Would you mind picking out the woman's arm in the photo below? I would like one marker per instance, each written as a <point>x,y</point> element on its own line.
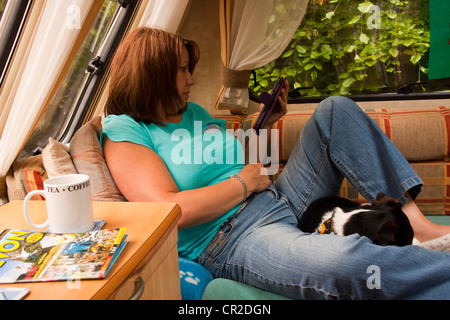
<point>141,175</point>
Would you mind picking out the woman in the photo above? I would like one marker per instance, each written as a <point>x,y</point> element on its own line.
<point>234,221</point>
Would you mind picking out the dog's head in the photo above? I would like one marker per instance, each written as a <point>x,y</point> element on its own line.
<point>385,223</point>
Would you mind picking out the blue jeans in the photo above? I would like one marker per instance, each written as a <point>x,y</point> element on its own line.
<point>261,245</point>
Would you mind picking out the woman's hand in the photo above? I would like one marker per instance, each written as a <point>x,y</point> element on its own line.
<point>255,178</point>
<point>280,108</point>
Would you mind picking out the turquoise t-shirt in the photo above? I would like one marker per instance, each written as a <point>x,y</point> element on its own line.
<point>198,152</point>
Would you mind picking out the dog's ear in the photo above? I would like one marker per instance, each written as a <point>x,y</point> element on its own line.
<point>386,233</point>
<point>384,198</point>
<point>381,197</point>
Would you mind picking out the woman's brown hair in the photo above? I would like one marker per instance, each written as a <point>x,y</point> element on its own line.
<point>143,75</point>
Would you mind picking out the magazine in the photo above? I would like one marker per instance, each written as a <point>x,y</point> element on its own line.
<point>28,256</point>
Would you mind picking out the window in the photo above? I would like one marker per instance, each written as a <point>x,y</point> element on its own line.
<point>70,104</point>
<point>367,50</point>
<point>2,7</point>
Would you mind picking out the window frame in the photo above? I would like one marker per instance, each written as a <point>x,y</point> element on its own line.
<point>294,99</point>
<point>97,69</point>
<point>13,28</point>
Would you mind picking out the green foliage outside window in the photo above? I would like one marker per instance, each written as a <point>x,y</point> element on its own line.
<point>347,47</point>
<point>2,7</point>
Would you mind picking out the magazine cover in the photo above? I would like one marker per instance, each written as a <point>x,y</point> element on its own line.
<point>27,256</point>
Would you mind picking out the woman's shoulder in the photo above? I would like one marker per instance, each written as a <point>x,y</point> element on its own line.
<point>114,120</point>
<point>124,122</point>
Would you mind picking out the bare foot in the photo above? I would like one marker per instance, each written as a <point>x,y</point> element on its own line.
<point>424,229</point>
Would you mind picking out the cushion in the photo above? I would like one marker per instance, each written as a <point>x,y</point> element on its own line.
<point>445,220</point>
<point>232,121</point>
<point>56,159</point>
<point>27,174</point>
<point>87,157</point>
<point>32,180</point>
<point>225,289</point>
<point>434,199</point>
<point>193,279</point>
<point>289,127</point>
<point>429,128</point>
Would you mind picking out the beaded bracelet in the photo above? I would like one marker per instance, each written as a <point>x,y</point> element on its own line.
<point>243,184</point>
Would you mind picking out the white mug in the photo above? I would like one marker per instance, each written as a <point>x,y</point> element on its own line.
<point>69,204</point>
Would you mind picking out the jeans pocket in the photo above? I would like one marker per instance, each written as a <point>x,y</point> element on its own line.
<point>220,239</point>
<point>225,230</point>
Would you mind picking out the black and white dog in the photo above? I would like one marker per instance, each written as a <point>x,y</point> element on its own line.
<point>383,222</point>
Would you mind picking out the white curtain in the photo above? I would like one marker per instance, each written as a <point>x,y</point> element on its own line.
<point>55,35</point>
<point>164,15</point>
<point>257,32</point>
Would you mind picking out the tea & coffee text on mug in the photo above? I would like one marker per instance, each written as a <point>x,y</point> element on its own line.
<point>76,187</point>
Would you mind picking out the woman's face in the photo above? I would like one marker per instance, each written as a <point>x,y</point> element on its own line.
<point>184,78</point>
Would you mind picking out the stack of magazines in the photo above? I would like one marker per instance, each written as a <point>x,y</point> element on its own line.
<point>28,256</point>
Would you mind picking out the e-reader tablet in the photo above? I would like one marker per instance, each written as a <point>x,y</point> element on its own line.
<point>269,100</point>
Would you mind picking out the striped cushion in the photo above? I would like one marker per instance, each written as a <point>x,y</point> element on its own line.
<point>31,180</point>
<point>418,134</point>
<point>421,135</point>
<point>289,127</point>
<point>27,174</point>
<point>232,121</point>
<point>434,199</point>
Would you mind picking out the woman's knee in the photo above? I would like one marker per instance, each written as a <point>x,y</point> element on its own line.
<point>329,110</point>
<point>334,103</point>
<point>338,111</point>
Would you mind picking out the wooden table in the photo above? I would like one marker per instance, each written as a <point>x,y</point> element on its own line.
<point>150,256</point>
